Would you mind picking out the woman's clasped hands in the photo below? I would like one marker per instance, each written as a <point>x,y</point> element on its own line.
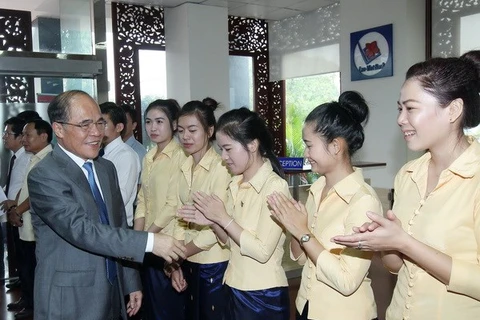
<point>206,210</point>
<point>380,234</point>
<point>290,213</point>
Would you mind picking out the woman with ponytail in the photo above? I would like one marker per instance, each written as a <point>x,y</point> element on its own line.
<point>256,283</point>
<point>201,274</point>
<point>334,281</point>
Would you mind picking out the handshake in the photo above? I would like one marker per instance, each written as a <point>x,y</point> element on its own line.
<point>168,248</point>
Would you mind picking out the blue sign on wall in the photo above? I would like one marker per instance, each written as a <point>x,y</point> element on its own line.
<point>371,53</point>
<point>291,163</point>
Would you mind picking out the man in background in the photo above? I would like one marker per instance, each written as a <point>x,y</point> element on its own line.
<point>127,133</point>
<point>17,169</point>
<point>36,138</point>
<point>123,157</point>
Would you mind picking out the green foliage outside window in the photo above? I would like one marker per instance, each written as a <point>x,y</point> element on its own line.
<point>302,96</point>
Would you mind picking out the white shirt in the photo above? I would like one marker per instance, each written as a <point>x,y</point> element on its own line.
<point>140,150</point>
<point>128,168</point>
<point>18,175</point>
<point>26,230</point>
<point>79,161</point>
<point>19,172</point>
<point>137,147</point>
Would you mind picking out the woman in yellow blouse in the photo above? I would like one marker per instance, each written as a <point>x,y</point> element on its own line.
<point>203,171</point>
<point>256,285</point>
<point>431,237</point>
<point>334,281</point>
<point>155,212</point>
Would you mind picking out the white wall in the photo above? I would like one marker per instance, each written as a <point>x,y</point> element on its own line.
<point>383,141</point>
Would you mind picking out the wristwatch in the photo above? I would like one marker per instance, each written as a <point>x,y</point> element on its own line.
<point>305,238</point>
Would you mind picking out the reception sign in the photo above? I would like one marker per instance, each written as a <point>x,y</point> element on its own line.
<point>291,163</point>
<point>371,53</point>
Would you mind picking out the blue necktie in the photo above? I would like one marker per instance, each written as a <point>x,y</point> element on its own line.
<point>102,208</point>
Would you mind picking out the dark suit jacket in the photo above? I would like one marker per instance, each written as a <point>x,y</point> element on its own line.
<point>70,278</point>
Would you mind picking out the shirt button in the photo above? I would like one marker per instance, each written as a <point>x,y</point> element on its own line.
<point>309,277</point>
<point>309,286</point>
<point>315,215</point>
<point>406,317</point>
<point>313,225</point>
<point>412,275</point>
<point>417,212</point>
<point>410,222</point>
<point>407,306</point>
<point>410,232</point>
<point>410,293</point>
<point>410,284</point>
<point>422,202</point>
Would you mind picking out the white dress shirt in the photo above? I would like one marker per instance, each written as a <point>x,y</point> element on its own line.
<point>128,168</point>
<point>19,172</point>
<point>140,150</point>
<point>79,161</point>
<point>17,176</point>
<point>137,147</point>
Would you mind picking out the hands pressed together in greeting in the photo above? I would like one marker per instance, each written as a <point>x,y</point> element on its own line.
<point>380,234</point>
<point>206,210</point>
<point>290,213</point>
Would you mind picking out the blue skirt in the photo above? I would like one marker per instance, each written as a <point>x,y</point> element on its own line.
<point>271,304</point>
<point>160,300</point>
<point>205,291</point>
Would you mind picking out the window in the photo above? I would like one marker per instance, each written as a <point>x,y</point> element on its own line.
<point>153,81</point>
<point>302,95</point>
<point>241,82</point>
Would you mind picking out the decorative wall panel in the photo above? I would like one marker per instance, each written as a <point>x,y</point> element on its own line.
<point>134,27</point>
<point>249,37</point>
<point>445,22</point>
<point>16,35</point>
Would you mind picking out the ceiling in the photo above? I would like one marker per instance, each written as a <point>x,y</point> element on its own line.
<point>262,9</point>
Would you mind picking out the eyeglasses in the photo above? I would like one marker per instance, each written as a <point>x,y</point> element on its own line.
<point>87,125</point>
<point>8,133</point>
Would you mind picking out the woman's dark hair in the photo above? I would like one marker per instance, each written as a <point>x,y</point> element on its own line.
<point>448,79</point>
<point>211,102</point>
<point>245,126</point>
<point>204,113</point>
<point>341,119</point>
<point>473,56</point>
<point>169,107</point>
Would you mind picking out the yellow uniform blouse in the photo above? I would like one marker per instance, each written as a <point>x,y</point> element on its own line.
<point>257,263</point>
<point>338,287</point>
<point>153,202</point>
<point>212,177</point>
<point>448,219</point>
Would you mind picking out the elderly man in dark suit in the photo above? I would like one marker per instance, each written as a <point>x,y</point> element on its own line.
<point>79,223</point>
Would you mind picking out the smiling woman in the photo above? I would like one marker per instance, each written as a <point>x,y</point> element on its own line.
<point>430,237</point>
